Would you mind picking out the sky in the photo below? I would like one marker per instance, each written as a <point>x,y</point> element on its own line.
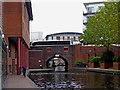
<point>54,16</point>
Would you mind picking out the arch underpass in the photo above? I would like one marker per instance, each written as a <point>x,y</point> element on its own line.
<point>58,63</point>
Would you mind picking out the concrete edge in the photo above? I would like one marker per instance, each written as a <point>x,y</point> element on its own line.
<point>98,70</point>
<point>31,80</point>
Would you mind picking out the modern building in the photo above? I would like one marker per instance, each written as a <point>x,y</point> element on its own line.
<point>3,51</point>
<point>73,37</point>
<point>91,9</point>
<point>17,34</point>
<point>36,36</point>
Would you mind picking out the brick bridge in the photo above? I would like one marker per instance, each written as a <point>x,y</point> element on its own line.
<point>42,52</point>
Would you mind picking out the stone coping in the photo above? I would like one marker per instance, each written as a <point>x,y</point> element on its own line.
<point>99,70</point>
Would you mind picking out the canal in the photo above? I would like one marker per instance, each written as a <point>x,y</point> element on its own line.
<point>74,79</point>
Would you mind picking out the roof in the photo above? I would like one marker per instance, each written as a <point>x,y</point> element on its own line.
<point>88,3</point>
<point>64,33</point>
<point>29,9</point>
<point>51,43</point>
<point>92,3</point>
<point>88,13</point>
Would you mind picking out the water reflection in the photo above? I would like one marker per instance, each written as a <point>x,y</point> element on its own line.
<point>60,68</point>
<point>75,80</point>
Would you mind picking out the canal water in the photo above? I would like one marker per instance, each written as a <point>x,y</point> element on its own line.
<point>75,79</point>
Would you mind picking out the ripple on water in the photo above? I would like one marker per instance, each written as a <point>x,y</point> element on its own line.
<point>74,80</point>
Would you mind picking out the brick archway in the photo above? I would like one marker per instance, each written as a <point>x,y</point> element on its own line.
<point>66,62</point>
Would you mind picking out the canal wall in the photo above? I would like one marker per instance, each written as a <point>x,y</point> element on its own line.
<point>98,70</point>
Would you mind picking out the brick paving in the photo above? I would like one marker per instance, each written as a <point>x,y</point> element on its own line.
<point>18,81</point>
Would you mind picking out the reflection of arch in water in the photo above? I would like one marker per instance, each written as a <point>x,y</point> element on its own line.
<point>66,62</point>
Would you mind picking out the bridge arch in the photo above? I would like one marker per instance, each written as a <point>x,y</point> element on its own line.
<point>61,57</point>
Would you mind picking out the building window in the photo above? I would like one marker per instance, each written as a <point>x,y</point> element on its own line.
<point>9,48</point>
<point>74,38</point>
<point>49,49</point>
<point>58,37</point>
<point>50,38</point>
<point>90,9</point>
<point>79,38</point>
<point>9,68</point>
<point>46,38</point>
<point>65,38</point>
<point>65,49</point>
<point>88,17</point>
<point>54,37</point>
<point>68,38</point>
<point>71,38</point>
<point>61,37</point>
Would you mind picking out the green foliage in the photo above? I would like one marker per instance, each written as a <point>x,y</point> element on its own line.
<point>95,59</point>
<point>80,62</point>
<point>107,56</point>
<point>103,28</point>
<point>116,59</point>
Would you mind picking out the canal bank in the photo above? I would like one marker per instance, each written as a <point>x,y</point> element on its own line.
<point>40,70</point>
<point>18,81</point>
<point>99,70</point>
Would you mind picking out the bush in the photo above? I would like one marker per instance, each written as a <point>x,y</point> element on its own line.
<point>95,59</point>
<point>116,59</point>
<point>80,63</point>
<point>107,56</point>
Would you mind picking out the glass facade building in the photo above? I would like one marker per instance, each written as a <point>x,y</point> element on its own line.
<point>3,61</point>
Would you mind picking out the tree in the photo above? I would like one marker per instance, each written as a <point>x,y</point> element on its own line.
<point>103,28</point>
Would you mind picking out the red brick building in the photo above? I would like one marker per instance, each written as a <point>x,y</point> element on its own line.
<point>42,52</point>
<point>85,52</point>
<point>16,20</point>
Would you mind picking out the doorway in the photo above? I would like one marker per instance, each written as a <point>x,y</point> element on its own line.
<point>13,65</point>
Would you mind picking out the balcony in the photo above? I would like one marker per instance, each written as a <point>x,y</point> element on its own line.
<point>88,13</point>
<point>85,21</point>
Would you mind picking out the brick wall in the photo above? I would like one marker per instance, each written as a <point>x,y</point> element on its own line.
<point>85,52</point>
<point>74,53</point>
<point>13,14</point>
<point>25,25</point>
<point>35,55</point>
<point>41,53</point>
<point>16,20</point>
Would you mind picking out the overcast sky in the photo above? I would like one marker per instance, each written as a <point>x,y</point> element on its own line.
<point>53,16</point>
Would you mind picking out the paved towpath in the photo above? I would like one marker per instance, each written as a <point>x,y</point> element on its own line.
<point>18,81</point>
